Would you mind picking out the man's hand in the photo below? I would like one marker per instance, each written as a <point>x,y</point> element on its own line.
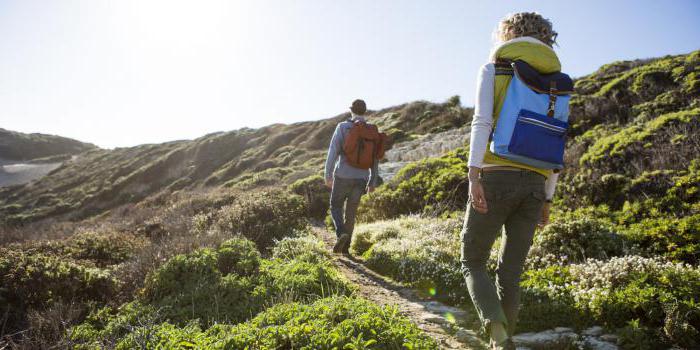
<point>544,219</point>
<point>329,183</point>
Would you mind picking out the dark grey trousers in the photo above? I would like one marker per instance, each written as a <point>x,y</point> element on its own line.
<point>514,200</point>
<point>346,193</point>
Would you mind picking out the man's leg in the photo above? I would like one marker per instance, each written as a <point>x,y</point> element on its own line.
<point>354,196</point>
<point>339,194</point>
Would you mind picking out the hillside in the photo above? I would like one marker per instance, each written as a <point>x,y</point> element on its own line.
<point>277,154</point>
<point>17,146</point>
<point>623,247</point>
<point>218,243</point>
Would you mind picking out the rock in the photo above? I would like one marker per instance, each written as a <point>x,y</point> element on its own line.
<point>597,344</point>
<point>609,338</point>
<point>563,330</point>
<point>425,146</point>
<point>435,319</point>
<point>546,339</point>
<point>465,336</point>
<point>593,331</point>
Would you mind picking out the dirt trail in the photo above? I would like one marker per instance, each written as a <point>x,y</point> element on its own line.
<point>440,321</point>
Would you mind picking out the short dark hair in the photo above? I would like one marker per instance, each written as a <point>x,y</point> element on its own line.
<point>358,107</point>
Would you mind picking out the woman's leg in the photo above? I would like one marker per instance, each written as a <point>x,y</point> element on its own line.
<point>478,234</point>
<point>517,239</point>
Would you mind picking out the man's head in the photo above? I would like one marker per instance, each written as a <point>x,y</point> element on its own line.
<point>358,107</point>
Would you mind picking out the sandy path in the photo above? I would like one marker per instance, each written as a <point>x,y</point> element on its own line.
<point>440,321</point>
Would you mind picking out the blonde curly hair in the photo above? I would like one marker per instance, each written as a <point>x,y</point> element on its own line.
<point>526,24</point>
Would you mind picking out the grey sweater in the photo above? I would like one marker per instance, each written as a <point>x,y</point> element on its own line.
<point>336,162</point>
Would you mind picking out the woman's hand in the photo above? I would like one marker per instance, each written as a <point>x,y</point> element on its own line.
<point>544,219</point>
<point>476,191</point>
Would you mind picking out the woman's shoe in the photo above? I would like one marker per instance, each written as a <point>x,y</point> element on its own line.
<point>342,243</point>
<point>504,345</point>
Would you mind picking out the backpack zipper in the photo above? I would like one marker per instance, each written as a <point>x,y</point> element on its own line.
<point>542,124</point>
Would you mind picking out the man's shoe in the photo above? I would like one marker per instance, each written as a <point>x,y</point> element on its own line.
<point>343,241</point>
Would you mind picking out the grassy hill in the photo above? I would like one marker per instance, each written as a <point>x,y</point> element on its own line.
<point>170,227</point>
<point>623,248</point>
<point>17,146</point>
<point>277,154</point>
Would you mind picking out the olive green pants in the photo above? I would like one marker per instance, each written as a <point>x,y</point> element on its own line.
<point>514,200</point>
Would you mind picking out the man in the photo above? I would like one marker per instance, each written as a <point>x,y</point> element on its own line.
<point>348,180</point>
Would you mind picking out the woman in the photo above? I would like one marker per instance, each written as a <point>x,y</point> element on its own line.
<point>504,193</point>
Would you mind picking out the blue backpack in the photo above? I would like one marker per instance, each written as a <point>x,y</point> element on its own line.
<point>531,127</point>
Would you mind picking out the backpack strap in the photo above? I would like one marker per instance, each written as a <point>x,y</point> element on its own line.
<point>503,66</point>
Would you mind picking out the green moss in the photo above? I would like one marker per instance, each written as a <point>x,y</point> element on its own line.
<point>615,145</point>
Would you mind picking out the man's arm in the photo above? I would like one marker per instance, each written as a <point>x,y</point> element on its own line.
<point>333,154</point>
<point>373,175</point>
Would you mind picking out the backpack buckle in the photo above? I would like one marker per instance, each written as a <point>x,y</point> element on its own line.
<point>552,98</point>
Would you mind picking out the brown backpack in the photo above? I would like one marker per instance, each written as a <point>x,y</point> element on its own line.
<point>363,144</point>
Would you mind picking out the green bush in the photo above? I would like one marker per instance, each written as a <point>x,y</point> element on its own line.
<point>263,216</point>
<point>317,196</point>
<point>577,240</point>
<point>36,280</point>
<point>232,283</point>
<point>104,249</point>
<point>192,287</point>
<point>104,327</point>
<point>433,185</point>
<point>662,296</point>
<point>101,249</point>
<point>421,252</point>
<point>302,248</point>
<point>330,323</point>
<point>239,256</point>
<point>301,280</point>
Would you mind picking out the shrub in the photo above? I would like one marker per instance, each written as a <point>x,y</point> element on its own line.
<point>35,281</point>
<point>233,283</point>
<point>317,196</point>
<point>104,249</point>
<point>192,286</point>
<point>263,216</point>
<point>303,248</point>
<point>238,256</point>
<point>104,327</point>
<point>577,240</point>
<point>421,252</point>
<point>301,280</point>
<point>338,323</point>
<point>433,185</point>
<point>661,295</point>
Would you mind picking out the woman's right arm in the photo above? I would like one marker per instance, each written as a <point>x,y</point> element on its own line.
<point>481,127</point>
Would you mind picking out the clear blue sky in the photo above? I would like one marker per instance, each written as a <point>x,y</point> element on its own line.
<point>122,73</point>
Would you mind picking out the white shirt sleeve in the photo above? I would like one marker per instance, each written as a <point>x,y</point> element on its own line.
<point>482,122</point>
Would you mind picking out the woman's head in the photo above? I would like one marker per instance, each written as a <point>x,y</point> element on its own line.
<point>526,24</point>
